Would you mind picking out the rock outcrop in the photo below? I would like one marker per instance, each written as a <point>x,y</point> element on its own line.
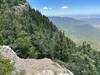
<point>33,66</point>
<point>19,9</point>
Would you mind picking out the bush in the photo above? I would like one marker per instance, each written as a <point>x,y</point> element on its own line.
<point>5,66</point>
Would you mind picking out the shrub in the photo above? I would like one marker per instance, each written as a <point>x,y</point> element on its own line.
<point>5,66</point>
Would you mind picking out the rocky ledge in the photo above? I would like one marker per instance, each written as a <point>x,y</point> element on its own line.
<point>33,66</point>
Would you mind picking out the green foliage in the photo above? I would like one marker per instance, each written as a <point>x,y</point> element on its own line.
<point>5,66</point>
<point>32,35</point>
<point>84,61</point>
<point>81,64</point>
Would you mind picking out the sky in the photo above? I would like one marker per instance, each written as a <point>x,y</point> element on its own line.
<point>66,7</point>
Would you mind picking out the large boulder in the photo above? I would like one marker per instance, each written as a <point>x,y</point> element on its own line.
<point>19,9</point>
<point>33,66</point>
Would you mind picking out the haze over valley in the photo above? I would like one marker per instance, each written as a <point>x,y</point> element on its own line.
<point>80,28</point>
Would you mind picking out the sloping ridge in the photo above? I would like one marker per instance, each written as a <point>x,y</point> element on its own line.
<point>33,66</point>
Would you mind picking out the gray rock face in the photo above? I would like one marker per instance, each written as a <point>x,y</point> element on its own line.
<point>7,52</point>
<point>19,9</point>
<point>33,66</point>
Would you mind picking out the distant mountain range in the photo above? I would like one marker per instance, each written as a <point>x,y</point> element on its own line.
<point>92,19</point>
<point>80,28</point>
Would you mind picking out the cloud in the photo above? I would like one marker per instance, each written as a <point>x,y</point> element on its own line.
<point>46,8</point>
<point>64,7</point>
<point>35,8</point>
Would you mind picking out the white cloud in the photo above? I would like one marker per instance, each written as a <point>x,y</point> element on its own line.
<point>35,8</point>
<point>46,8</point>
<point>64,7</point>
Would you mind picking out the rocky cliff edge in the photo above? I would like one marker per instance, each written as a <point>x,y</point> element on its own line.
<point>33,66</point>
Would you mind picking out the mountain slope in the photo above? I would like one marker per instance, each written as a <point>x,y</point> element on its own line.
<point>32,35</point>
<point>78,30</point>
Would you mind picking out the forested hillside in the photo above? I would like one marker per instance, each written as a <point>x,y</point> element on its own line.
<point>79,29</point>
<point>32,35</point>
